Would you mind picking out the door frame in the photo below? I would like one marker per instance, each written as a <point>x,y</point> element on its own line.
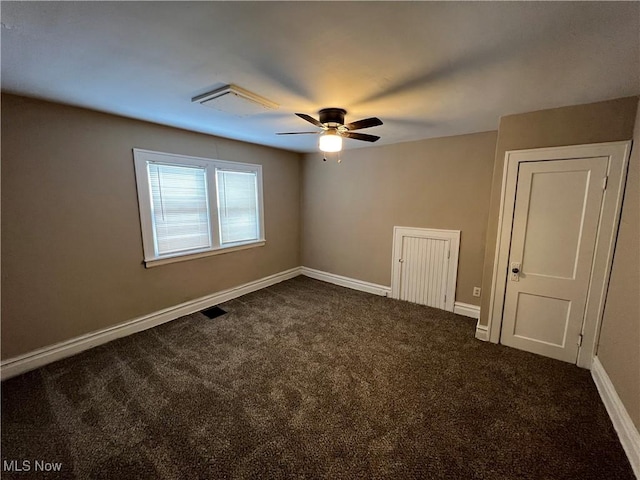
<point>618,155</point>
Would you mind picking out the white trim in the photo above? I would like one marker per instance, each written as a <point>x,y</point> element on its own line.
<point>627,431</point>
<point>208,253</point>
<point>352,283</point>
<point>482,332</point>
<point>618,153</point>
<point>493,331</point>
<point>467,310</point>
<point>43,356</point>
<point>452,236</point>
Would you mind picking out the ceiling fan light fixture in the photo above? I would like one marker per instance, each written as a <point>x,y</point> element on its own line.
<point>330,142</point>
<point>333,128</point>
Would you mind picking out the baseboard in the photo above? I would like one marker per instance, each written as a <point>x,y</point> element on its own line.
<point>460,308</point>
<point>466,309</point>
<point>627,431</point>
<point>482,332</point>
<point>346,282</point>
<point>43,356</point>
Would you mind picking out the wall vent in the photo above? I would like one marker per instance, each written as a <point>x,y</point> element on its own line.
<point>235,100</point>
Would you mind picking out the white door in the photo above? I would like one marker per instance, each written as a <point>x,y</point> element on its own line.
<point>423,277</point>
<point>425,265</point>
<point>555,227</point>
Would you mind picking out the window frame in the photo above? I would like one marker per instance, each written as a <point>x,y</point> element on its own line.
<point>142,158</point>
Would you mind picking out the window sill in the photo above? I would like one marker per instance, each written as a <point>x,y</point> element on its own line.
<point>156,262</point>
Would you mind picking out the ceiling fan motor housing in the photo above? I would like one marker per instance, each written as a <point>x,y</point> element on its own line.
<point>332,117</point>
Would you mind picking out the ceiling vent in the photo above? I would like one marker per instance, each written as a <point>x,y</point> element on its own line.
<point>235,100</point>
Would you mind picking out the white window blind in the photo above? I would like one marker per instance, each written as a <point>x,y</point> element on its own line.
<point>237,206</point>
<point>179,207</point>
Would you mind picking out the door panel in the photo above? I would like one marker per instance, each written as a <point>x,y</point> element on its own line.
<point>551,246</point>
<point>425,263</point>
<point>543,318</point>
<point>555,224</point>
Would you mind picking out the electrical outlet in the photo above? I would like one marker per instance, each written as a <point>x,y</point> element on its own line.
<point>476,291</point>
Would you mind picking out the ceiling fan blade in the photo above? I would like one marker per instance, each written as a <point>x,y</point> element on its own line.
<point>366,123</point>
<point>310,119</point>
<point>360,136</point>
<point>298,133</point>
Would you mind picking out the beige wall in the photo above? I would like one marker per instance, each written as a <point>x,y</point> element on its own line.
<point>619,348</point>
<point>581,124</point>
<point>349,209</point>
<point>71,240</point>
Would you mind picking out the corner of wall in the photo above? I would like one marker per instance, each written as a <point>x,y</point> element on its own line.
<point>301,168</point>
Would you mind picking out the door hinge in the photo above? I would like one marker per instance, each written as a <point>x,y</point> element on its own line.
<point>604,183</point>
<point>449,254</point>
<point>580,340</point>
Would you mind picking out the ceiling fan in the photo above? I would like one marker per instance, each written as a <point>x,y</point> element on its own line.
<point>331,121</point>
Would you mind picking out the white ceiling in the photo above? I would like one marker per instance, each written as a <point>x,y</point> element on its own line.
<point>427,69</point>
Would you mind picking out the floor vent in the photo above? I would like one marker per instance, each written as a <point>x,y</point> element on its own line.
<point>213,312</point>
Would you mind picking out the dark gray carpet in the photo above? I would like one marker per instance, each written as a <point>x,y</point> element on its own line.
<point>310,380</point>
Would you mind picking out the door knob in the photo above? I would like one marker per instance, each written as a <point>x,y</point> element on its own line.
<point>515,270</point>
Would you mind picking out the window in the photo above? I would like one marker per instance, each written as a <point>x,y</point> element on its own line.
<point>192,207</point>
<point>237,206</point>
